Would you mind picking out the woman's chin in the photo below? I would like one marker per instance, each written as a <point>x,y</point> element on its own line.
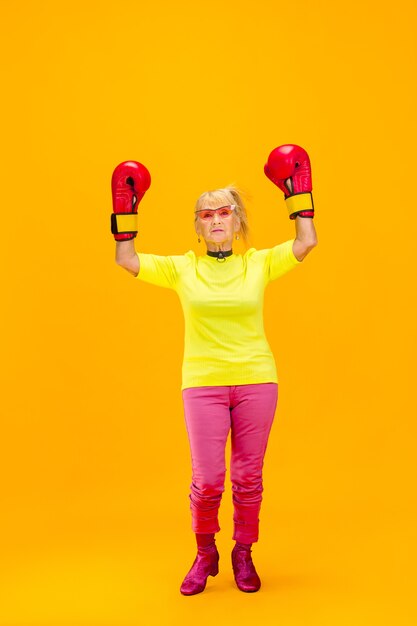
<point>217,238</point>
<point>218,241</point>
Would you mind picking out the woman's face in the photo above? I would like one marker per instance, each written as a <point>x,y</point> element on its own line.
<point>218,231</point>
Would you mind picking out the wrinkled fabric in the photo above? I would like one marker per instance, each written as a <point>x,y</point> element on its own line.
<point>247,411</point>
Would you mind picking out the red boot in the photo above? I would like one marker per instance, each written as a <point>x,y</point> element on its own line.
<point>244,570</point>
<point>205,564</point>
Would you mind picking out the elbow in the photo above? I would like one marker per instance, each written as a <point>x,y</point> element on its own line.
<point>308,246</point>
<point>301,251</point>
<point>307,243</point>
<point>120,263</point>
<point>311,243</point>
<point>130,265</point>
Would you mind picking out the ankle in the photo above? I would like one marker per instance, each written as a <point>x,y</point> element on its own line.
<point>242,546</point>
<point>205,540</point>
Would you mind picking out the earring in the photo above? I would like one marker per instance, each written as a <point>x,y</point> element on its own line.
<point>237,237</point>
<point>199,240</point>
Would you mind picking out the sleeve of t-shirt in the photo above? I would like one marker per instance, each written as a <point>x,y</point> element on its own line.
<point>158,270</point>
<point>278,260</point>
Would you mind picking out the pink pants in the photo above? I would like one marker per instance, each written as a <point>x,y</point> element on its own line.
<point>210,412</point>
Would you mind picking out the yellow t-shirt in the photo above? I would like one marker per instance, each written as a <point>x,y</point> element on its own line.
<point>222,302</point>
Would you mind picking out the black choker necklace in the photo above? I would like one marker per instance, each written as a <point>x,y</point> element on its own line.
<point>221,254</point>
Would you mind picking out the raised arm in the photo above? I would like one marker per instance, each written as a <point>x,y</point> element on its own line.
<point>288,167</point>
<point>130,181</point>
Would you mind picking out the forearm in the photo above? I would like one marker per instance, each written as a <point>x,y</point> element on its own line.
<point>305,230</point>
<point>306,237</point>
<point>126,256</point>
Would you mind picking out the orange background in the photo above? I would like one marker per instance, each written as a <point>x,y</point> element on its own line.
<point>95,524</point>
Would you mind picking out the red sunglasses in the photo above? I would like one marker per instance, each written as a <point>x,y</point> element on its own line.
<point>223,211</point>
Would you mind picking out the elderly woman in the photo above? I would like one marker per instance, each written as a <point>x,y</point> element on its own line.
<point>229,377</point>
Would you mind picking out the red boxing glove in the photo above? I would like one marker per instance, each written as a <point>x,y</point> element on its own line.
<point>289,168</point>
<point>129,183</point>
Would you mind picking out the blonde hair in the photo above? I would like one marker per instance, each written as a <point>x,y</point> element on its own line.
<point>229,195</point>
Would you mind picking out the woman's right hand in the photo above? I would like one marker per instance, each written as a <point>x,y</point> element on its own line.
<point>130,181</point>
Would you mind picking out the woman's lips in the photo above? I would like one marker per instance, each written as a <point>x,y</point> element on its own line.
<point>217,230</point>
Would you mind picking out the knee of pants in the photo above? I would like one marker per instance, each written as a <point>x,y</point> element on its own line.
<point>212,489</point>
<point>248,489</point>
